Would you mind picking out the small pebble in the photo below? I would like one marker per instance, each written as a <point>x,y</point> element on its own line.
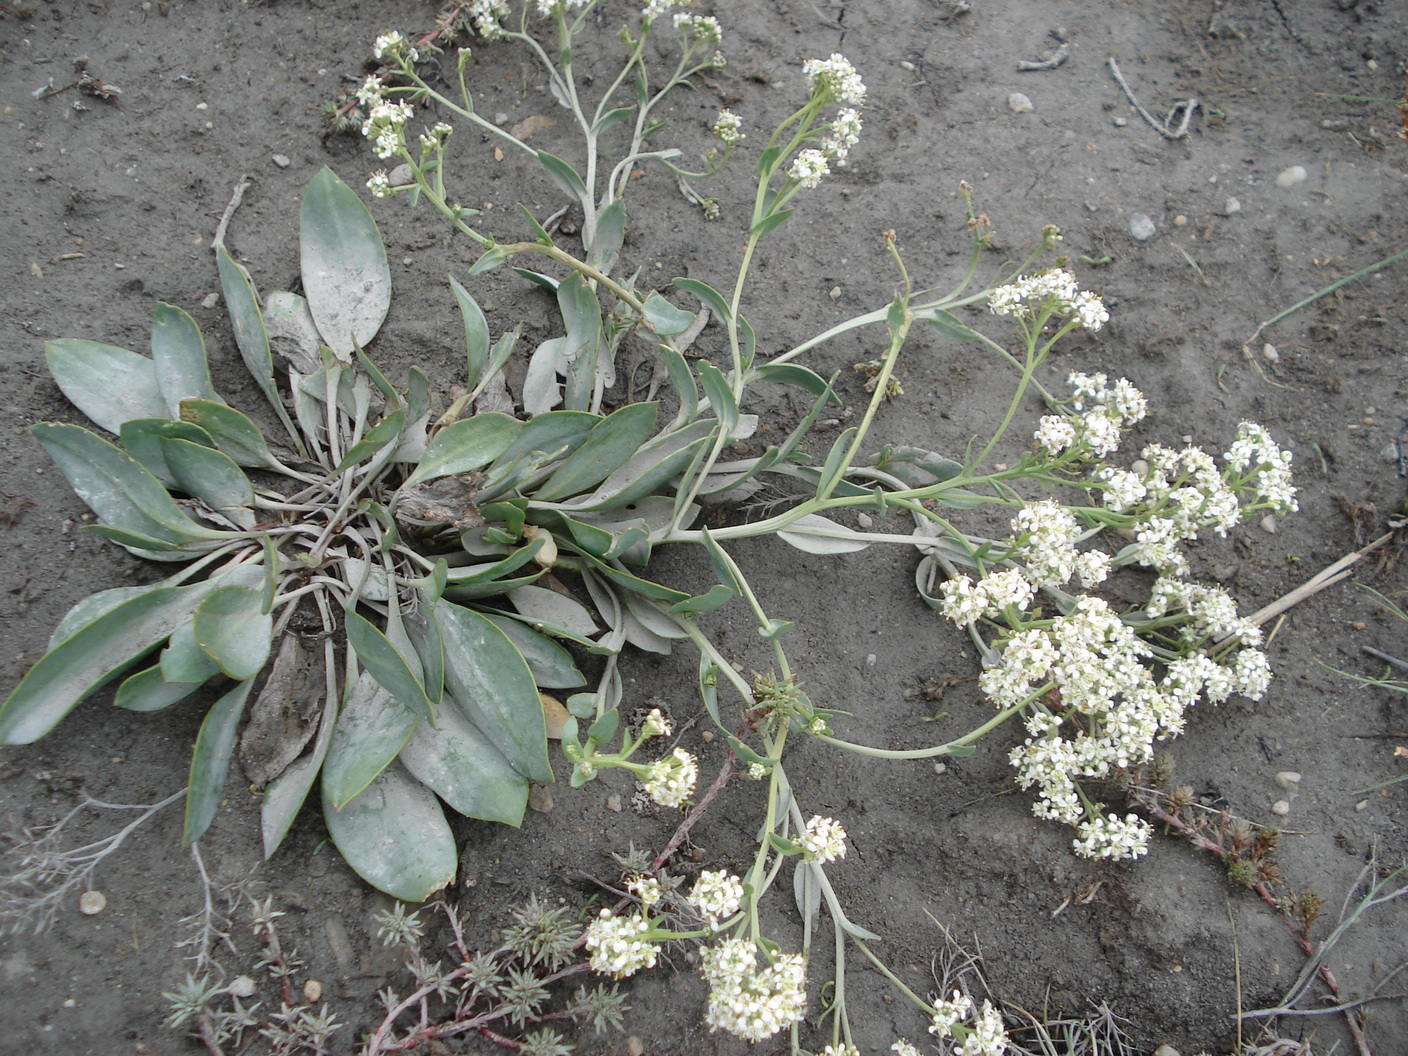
<point>1292,176</point>
<point>1092,207</point>
<point>401,175</point>
<point>313,991</point>
<point>1120,122</point>
<point>281,160</point>
<point>241,986</point>
<point>92,902</point>
<point>540,799</point>
<point>1166,1050</point>
<point>1269,524</point>
<point>211,300</point>
<point>1362,805</point>
<point>1269,353</point>
<point>1288,779</point>
<point>1141,227</point>
<point>1334,124</point>
<point>707,736</point>
<point>1281,808</point>
<point>864,520</point>
<point>501,118</point>
<point>941,768</point>
<point>202,106</point>
<point>613,803</point>
<point>1180,220</point>
<point>871,659</point>
<point>835,292</point>
<point>634,1046</point>
<point>1019,103</point>
<point>1234,205</point>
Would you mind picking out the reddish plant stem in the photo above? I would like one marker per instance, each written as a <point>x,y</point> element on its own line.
<point>695,813</point>
<point>1263,892</point>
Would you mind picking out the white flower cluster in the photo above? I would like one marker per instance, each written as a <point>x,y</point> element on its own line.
<point>1263,467</point>
<point>705,29</point>
<point>965,603</point>
<point>395,47</point>
<point>1054,291</point>
<point>379,184</point>
<point>1111,836</point>
<point>984,1036</point>
<point>545,8</point>
<point>1104,411</point>
<point>728,127</point>
<point>808,167</point>
<point>616,946</point>
<point>716,895</point>
<point>836,77</point>
<point>749,1003</point>
<point>845,134</point>
<point>385,126</point>
<point>842,1049</point>
<point>670,781</point>
<point>1046,534</point>
<point>655,8</point>
<point>824,841</point>
<point>645,888</point>
<point>488,16</point>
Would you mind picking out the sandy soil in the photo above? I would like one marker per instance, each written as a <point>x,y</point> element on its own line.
<point>111,206</point>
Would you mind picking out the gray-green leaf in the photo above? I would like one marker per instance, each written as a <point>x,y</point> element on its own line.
<point>345,275</point>
<point>109,384</point>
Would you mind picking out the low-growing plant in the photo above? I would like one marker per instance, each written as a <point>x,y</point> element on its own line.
<point>406,554</point>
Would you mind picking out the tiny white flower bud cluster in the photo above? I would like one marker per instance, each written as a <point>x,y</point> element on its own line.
<point>395,47</point>
<point>836,77</point>
<point>845,134</point>
<point>824,841</point>
<point>984,1036</point>
<point>842,1049</point>
<point>728,127</point>
<point>1054,292</point>
<point>616,946</point>
<point>655,725</point>
<point>385,126</point>
<point>749,1003</point>
<point>379,184</point>
<point>716,895</point>
<point>705,29</point>
<point>645,888</point>
<point>670,781</point>
<point>1046,534</point>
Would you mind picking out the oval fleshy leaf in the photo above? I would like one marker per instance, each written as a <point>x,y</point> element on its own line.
<point>142,437</point>
<point>109,384</point>
<point>487,677</point>
<point>371,730</point>
<point>465,445</point>
<point>117,487</point>
<point>211,476</point>
<point>234,630</point>
<point>247,320</point>
<point>386,664</point>
<point>814,534</point>
<point>611,442</point>
<point>147,690</point>
<point>394,835</point>
<point>232,433</point>
<point>346,279</point>
<point>210,761</point>
<point>178,353</point>
<point>92,655</point>
<point>461,766</point>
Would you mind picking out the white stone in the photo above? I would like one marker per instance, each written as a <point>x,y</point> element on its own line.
<point>1019,103</point>
<point>1292,176</point>
<point>1142,227</point>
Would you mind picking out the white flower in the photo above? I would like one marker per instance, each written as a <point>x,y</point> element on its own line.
<point>901,1047</point>
<point>716,896</point>
<point>655,8</point>
<point>655,725</point>
<point>615,944</point>
<point>380,184</point>
<point>369,92</point>
<point>845,134</point>
<point>394,46</point>
<point>947,1013</point>
<point>670,781</point>
<point>824,840</point>
<point>645,888</point>
<point>1055,433</point>
<point>1111,836</point>
<point>705,29</point>
<point>487,16</point>
<point>837,77</point>
<point>728,128</point>
<point>808,167</point>
<point>385,126</point>
<point>748,1003</point>
<point>1053,291</point>
<point>843,1049</point>
<point>986,1036</point>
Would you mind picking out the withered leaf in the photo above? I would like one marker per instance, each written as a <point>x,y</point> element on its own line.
<point>285,714</point>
